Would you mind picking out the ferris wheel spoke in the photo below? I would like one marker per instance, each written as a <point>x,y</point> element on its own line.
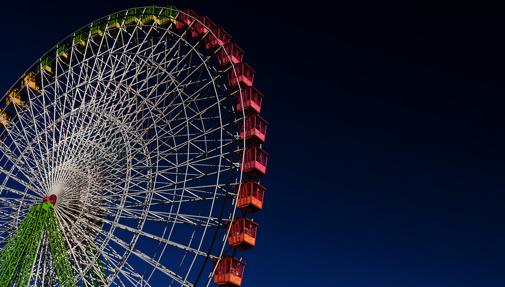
<point>81,144</point>
<point>15,162</point>
<point>34,124</point>
<point>20,136</point>
<point>200,156</point>
<point>180,127</point>
<point>59,113</point>
<point>209,174</point>
<point>153,237</point>
<point>171,217</point>
<point>131,279</point>
<point>162,199</point>
<point>131,275</point>
<point>184,187</point>
<point>22,182</point>
<point>110,261</point>
<point>168,77</point>
<point>113,260</point>
<point>195,193</point>
<point>191,138</point>
<point>23,195</point>
<point>143,82</point>
<point>79,236</point>
<point>13,203</point>
<point>93,268</point>
<point>71,240</point>
<point>201,159</point>
<point>21,143</point>
<point>147,259</point>
<point>154,263</point>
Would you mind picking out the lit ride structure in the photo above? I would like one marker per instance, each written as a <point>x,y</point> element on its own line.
<point>131,155</point>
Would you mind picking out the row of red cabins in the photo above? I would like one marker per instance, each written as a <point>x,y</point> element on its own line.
<point>243,231</point>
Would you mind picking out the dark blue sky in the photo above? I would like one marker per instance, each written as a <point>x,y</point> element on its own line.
<point>386,136</point>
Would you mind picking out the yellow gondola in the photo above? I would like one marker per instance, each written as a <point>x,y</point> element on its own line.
<point>4,118</point>
<point>30,80</point>
<point>97,30</point>
<point>132,17</point>
<point>63,52</point>
<point>79,40</point>
<point>114,22</point>
<point>14,97</point>
<point>168,16</point>
<point>151,16</point>
<point>47,65</point>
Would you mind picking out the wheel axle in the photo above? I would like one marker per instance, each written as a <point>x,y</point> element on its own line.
<point>51,199</point>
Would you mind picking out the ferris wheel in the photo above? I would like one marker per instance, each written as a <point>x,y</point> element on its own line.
<point>131,155</point>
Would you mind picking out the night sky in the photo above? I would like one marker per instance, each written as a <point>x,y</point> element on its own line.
<point>386,136</point>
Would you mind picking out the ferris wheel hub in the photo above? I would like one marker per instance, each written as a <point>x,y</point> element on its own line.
<point>52,199</point>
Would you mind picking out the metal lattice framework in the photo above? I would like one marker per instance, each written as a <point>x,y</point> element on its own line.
<point>130,124</point>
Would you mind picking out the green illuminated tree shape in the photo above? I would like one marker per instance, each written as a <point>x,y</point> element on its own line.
<point>18,256</point>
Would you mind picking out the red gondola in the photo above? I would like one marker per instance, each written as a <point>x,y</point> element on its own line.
<point>220,38</point>
<point>254,130</point>
<point>255,162</point>
<point>229,272</point>
<point>243,233</point>
<point>244,75</point>
<point>230,52</point>
<point>202,26</point>
<point>251,196</point>
<point>251,100</point>
<point>185,18</point>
